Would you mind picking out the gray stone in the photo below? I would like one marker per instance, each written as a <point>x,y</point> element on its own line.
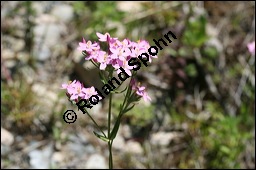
<point>133,147</point>
<point>163,138</point>
<point>63,12</point>
<point>40,159</point>
<point>6,137</point>
<point>5,150</point>
<point>96,161</point>
<point>119,142</point>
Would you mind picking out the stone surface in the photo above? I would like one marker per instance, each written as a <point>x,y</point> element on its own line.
<point>133,147</point>
<point>119,142</point>
<point>40,159</point>
<point>163,138</point>
<point>63,12</point>
<point>6,137</point>
<point>96,161</point>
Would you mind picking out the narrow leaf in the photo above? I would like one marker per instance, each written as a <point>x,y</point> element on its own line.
<point>115,129</point>
<point>101,137</point>
<point>118,91</point>
<point>126,110</point>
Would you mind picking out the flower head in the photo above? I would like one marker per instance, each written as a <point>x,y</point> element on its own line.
<point>76,91</point>
<point>251,47</point>
<point>140,90</point>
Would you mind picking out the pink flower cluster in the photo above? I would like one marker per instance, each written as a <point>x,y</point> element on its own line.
<point>119,52</point>
<point>251,47</point>
<point>140,90</point>
<point>76,91</point>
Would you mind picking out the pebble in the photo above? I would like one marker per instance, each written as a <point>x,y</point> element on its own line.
<point>6,137</point>
<point>163,138</point>
<point>40,159</point>
<point>63,12</point>
<point>133,147</point>
<point>96,161</point>
<point>119,142</point>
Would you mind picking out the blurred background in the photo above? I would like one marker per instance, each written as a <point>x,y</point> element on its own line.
<point>202,85</point>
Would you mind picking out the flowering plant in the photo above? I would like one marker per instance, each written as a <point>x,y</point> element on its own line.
<point>117,58</point>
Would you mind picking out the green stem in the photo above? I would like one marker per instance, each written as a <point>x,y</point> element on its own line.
<point>109,127</point>
<point>109,113</point>
<point>110,155</point>
<point>96,124</point>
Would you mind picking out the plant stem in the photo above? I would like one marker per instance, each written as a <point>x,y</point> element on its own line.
<point>110,155</point>
<point>96,123</point>
<point>109,143</point>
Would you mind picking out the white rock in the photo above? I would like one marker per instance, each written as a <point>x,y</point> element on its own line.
<point>163,138</point>
<point>18,45</point>
<point>57,158</point>
<point>8,54</point>
<point>5,150</point>
<point>23,56</point>
<point>129,6</point>
<point>63,12</point>
<point>96,161</point>
<point>133,147</point>
<point>125,131</point>
<point>40,159</point>
<point>119,142</point>
<point>6,137</point>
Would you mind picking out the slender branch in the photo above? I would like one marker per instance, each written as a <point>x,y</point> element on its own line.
<point>96,124</point>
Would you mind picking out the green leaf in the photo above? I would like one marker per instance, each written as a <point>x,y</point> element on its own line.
<point>118,91</point>
<point>116,127</point>
<point>102,78</point>
<point>126,110</point>
<point>101,137</point>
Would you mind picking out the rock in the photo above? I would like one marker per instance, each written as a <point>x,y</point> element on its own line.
<point>129,6</point>
<point>125,131</point>
<point>214,42</point>
<point>5,150</point>
<point>49,32</point>
<point>163,138</point>
<point>119,142</point>
<point>18,45</point>
<point>23,56</point>
<point>63,12</point>
<point>57,159</point>
<point>8,54</point>
<point>79,149</point>
<point>133,147</point>
<point>6,137</point>
<point>96,161</point>
<point>44,53</point>
<point>40,159</point>
<point>10,63</point>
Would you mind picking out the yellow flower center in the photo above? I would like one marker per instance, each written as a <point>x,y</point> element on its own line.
<point>89,43</point>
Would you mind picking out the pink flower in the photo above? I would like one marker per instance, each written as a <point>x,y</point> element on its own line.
<point>251,47</point>
<point>89,92</point>
<point>105,37</point>
<point>102,37</point>
<point>88,47</point>
<point>74,90</point>
<point>119,52</point>
<point>103,59</point>
<point>126,67</point>
<point>141,91</point>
